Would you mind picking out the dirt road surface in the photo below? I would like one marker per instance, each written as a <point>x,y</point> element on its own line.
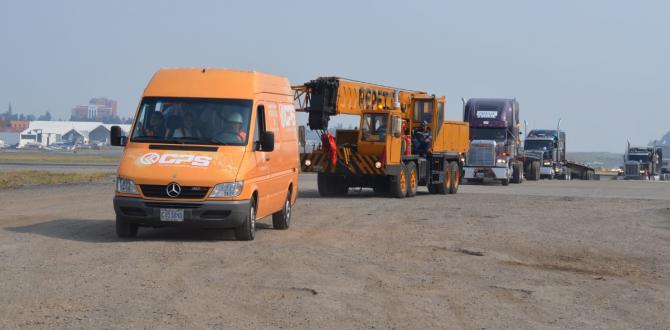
<point>553,254</point>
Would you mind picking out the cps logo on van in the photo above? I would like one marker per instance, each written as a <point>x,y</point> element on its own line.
<point>175,159</point>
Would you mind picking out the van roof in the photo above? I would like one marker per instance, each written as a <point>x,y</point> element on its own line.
<point>215,83</point>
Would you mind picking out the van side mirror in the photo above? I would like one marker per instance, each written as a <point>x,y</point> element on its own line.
<point>116,137</point>
<point>267,142</point>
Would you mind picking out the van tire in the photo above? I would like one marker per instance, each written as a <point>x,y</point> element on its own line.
<point>247,230</point>
<point>124,229</point>
<point>455,177</point>
<point>412,179</point>
<point>282,219</point>
<point>505,182</point>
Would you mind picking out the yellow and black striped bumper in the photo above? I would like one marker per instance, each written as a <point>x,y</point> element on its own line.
<point>348,162</point>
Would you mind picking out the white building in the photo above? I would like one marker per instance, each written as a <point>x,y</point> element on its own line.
<point>44,133</point>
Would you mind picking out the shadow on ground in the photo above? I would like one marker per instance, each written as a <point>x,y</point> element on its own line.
<point>353,193</point>
<point>104,231</point>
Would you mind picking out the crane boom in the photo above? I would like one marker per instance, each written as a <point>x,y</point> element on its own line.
<point>329,96</point>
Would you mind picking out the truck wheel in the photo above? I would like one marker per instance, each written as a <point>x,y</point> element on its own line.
<point>443,188</point>
<point>282,219</point>
<point>517,176</point>
<point>455,177</point>
<point>412,179</point>
<point>125,230</point>
<point>381,187</point>
<point>399,184</point>
<point>535,170</point>
<point>324,185</point>
<point>340,187</point>
<point>247,230</point>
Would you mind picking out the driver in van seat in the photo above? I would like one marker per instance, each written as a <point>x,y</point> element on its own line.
<point>156,125</point>
<point>232,129</point>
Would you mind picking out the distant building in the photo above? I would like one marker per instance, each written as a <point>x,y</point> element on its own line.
<point>15,126</point>
<point>44,133</point>
<point>98,109</point>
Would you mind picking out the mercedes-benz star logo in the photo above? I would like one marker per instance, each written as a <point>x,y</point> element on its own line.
<point>173,189</point>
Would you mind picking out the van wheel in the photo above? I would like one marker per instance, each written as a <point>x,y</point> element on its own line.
<point>282,219</point>
<point>412,179</point>
<point>247,230</point>
<point>505,182</point>
<point>125,230</point>
<point>455,177</point>
<point>399,183</point>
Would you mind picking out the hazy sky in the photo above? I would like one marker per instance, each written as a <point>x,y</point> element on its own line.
<point>602,66</point>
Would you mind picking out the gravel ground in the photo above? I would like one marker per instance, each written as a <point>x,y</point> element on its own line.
<point>541,255</point>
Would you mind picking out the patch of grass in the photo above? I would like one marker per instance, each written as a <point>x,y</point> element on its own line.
<point>17,179</point>
<point>57,158</point>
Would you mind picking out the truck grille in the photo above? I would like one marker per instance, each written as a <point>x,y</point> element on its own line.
<point>160,191</point>
<point>632,169</point>
<point>482,154</point>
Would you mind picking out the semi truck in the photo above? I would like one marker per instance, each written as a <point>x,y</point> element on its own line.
<point>401,143</point>
<point>549,145</point>
<point>494,153</point>
<point>642,163</point>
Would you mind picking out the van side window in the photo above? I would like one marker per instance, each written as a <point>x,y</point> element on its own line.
<point>260,125</point>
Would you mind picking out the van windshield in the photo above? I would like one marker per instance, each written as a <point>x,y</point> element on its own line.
<point>193,121</point>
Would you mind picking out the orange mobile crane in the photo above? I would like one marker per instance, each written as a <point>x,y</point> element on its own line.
<point>403,141</point>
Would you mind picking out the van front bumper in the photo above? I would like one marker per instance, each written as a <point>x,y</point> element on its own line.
<point>204,214</point>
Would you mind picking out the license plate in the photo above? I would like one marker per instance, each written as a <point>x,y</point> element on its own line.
<point>480,175</point>
<point>175,215</point>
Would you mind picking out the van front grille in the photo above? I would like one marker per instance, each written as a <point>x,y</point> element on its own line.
<point>160,191</point>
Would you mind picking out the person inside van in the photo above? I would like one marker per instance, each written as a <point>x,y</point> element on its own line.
<point>189,128</point>
<point>175,128</point>
<point>232,129</point>
<point>156,125</point>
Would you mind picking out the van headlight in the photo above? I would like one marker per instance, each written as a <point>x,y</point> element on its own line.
<point>126,186</point>
<point>228,189</point>
<point>501,161</point>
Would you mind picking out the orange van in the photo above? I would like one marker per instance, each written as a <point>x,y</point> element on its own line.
<point>209,148</point>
